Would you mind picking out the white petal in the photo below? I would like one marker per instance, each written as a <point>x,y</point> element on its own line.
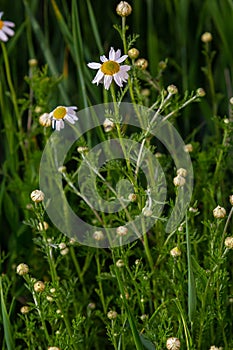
<point>112,54</point>
<point>8,31</point>
<point>103,58</point>
<point>94,65</point>
<point>69,119</point>
<point>121,59</point>
<point>1,14</point>
<point>9,24</point>
<point>3,36</point>
<point>124,68</point>
<point>98,77</point>
<point>117,55</point>
<point>107,81</point>
<point>117,79</point>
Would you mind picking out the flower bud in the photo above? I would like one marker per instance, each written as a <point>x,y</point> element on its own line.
<point>62,169</point>
<point>108,125</point>
<point>98,235</point>
<point>172,89</point>
<point>120,263</point>
<point>133,53</point>
<point>49,298</point>
<point>112,314</point>
<point>206,37</point>
<point>22,269</point>
<point>32,62</point>
<point>173,343</point>
<point>53,348</point>
<point>175,252</point>
<point>231,199</point>
<point>188,148</point>
<point>64,251</point>
<point>200,92</point>
<point>179,181</point>
<point>123,9</point>
<point>39,286</point>
<point>231,100</point>
<point>45,120</point>
<point>147,212</point>
<point>82,149</point>
<point>24,309</point>
<point>182,172</point>
<point>229,242</point>
<point>219,212</point>
<point>91,306</point>
<point>43,226</point>
<point>37,196</point>
<point>62,245</point>
<point>145,92</point>
<point>132,197</point>
<point>141,63</point>
<point>122,230</point>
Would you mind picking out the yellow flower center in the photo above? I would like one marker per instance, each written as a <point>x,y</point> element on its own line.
<point>110,67</point>
<point>1,24</point>
<point>59,112</point>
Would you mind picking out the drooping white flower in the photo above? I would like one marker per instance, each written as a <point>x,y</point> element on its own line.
<point>61,113</point>
<point>5,29</point>
<point>110,69</point>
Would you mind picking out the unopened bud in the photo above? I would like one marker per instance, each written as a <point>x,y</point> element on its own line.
<point>123,9</point>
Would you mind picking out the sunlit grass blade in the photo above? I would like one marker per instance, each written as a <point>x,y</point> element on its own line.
<point>6,322</point>
<point>94,27</point>
<point>46,51</point>
<point>192,299</point>
<point>78,49</point>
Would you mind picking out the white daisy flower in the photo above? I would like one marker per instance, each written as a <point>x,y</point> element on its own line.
<point>110,69</point>
<point>61,113</point>
<point>5,29</point>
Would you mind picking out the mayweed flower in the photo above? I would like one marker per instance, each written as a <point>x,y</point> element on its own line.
<point>22,269</point>
<point>61,113</point>
<point>5,29</point>
<point>173,343</point>
<point>219,212</point>
<point>110,69</point>
<point>37,196</point>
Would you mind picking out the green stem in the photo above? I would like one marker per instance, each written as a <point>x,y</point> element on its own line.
<point>135,334</point>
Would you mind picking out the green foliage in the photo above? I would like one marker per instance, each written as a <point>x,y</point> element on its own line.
<point>155,294</point>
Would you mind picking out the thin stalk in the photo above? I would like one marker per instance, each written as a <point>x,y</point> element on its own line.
<point>14,100</point>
